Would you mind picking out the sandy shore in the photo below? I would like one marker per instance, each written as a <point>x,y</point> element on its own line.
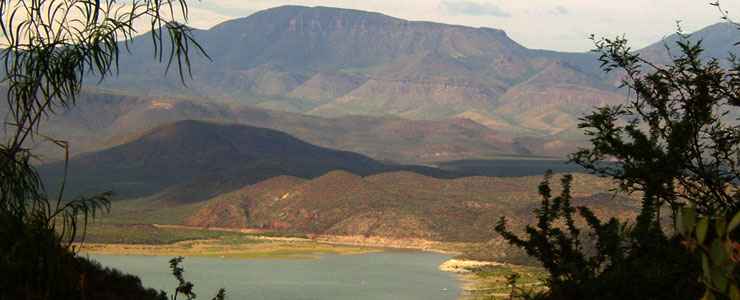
<point>462,266</point>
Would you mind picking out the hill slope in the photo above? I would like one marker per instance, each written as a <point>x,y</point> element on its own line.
<point>104,118</point>
<point>394,205</point>
<point>208,158</point>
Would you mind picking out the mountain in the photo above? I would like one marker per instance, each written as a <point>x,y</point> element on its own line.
<point>102,119</point>
<point>719,41</point>
<point>208,158</point>
<point>336,62</point>
<point>395,205</point>
<point>395,90</point>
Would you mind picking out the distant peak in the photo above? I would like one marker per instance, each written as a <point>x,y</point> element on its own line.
<point>324,9</point>
<point>335,15</point>
<point>281,12</point>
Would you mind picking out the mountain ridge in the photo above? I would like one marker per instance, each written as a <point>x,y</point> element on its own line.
<point>334,62</point>
<point>105,119</point>
<point>451,75</point>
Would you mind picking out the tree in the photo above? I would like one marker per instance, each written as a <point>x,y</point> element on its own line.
<point>49,49</point>
<point>185,287</point>
<point>603,260</point>
<point>676,144</point>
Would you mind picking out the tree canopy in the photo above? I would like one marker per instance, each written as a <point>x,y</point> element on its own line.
<point>48,48</point>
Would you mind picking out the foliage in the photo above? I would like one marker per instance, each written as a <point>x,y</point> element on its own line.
<point>185,287</point>
<point>607,260</point>
<point>519,292</point>
<point>495,280</point>
<point>48,48</point>
<point>560,251</point>
<point>62,274</point>
<point>676,144</point>
<point>672,141</point>
<point>711,237</point>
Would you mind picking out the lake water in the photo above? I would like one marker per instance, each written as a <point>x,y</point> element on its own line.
<point>385,275</point>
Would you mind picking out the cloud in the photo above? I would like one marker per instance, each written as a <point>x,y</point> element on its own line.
<point>470,8</point>
<point>228,7</point>
<point>560,10</point>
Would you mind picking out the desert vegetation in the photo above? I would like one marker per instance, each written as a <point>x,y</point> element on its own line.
<point>49,47</point>
<point>674,143</point>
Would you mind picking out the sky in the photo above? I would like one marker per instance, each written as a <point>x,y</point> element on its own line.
<point>562,25</point>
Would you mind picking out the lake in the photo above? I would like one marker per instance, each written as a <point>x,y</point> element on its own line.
<point>384,275</point>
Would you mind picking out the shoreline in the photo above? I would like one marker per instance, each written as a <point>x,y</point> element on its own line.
<point>470,283</point>
<point>342,240</point>
<point>252,245</point>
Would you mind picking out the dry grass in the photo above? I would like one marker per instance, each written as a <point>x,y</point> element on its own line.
<point>232,246</point>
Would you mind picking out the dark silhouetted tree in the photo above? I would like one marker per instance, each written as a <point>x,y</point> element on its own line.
<point>676,144</point>
<point>48,48</point>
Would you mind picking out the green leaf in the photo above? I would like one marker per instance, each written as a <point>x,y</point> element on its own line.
<point>701,229</point>
<point>689,218</point>
<point>734,292</point>
<point>720,227</point>
<point>708,296</point>
<point>705,266</point>
<point>718,254</point>
<point>679,225</point>
<point>719,280</point>
<point>734,223</point>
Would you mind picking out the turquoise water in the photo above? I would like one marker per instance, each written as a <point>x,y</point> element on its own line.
<point>385,275</point>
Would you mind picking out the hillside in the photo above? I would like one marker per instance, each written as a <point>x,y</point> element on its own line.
<point>105,118</point>
<point>203,159</point>
<point>394,205</point>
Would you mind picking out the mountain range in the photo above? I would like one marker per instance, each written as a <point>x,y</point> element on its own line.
<point>394,90</point>
<point>190,161</point>
<point>103,119</point>
<point>336,62</point>
<point>331,121</point>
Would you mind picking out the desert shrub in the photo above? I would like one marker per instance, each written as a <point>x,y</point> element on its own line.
<point>605,260</point>
<point>48,49</point>
<point>676,144</point>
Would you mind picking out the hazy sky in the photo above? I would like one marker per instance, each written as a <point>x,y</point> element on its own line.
<point>548,24</point>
